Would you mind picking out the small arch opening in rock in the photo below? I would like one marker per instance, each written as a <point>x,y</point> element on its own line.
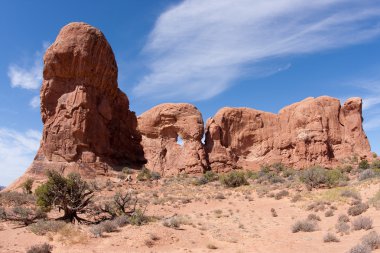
<point>203,140</point>
<point>179,140</point>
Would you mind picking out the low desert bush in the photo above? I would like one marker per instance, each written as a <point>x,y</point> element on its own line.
<point>155,175</point>
<point>234,179</point>
<point>304,226</point>
<point>173,222</point>
<point>144,174</point>
<point>348,193</point>
<point>109,226</point>
<point>342,228</point>
<point>313,217</point>
<point>316,177</point>
<point>97,230</point>
<point>16,198</point>
<point>366,174</point>
<point>330,237</point>
<point>362,222</point>
<point>329,213</point>
<point>317,206</point>
<point>372,240</point>
<point>122,220</point>
<point>363,165</point>
<point>279,195</point>
<point>45,226</point>
<point>357,209</point>
<point>343,218</point>
<point>138,218</point>
<point>360,249</point>
<point>41,248</point>
<point>27,186</point>
<point>211,176</point>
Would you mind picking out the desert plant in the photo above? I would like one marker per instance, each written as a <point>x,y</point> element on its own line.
<point>16,198</point>
<point>70,194</point>
<point>41,248</point>
<point>348,193</point>
<point>372,240</point>
<point>313,217</point>
<point>313,177</point>
<point>362,223</point>
<point>283,193</point>
<point>45,226</point>
<point>360,249</point>
<point>211,176</point>
<point>22,214</point>
<point>366,174</point>
<point>172,222</point>
<point>330,237</point>
<point>342,228</point>
<point>109,226</point>
<point>144,175</point>
<point>304,226</point>
<point>122,220</point>
<point>329,213</point>
<point>343,218</point>
<point>27,186</point>
<point>138,217</point>
<point>363,165</point>
<point>234,179</point>
<point>357,209</point>
<point>155,175</point>
<point>97,230</point>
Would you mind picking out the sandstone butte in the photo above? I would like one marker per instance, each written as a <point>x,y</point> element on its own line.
<point>88,127</point>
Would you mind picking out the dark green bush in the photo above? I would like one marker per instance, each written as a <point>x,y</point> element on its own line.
<point>70,194</point>
<point>211,176</point>
<point>316,177</point>
<point>364,165</point>
<point>234,179</point>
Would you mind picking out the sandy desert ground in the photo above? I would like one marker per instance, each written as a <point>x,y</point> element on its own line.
<point>214,218</point>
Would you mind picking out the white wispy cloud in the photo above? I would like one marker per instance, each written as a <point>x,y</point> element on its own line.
<point>28,76</point>
<point>17,150</point>
<point>35,102</point>
<point>198,48</point>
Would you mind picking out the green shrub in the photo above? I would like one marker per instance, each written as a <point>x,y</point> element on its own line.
<point>127,170</point>
<point>144,174</point>
<point>316,177</point>
<point>375,164</point>
<point>211,176</point>
<point>357,209</point>
<point>234,179</point>
<point>70,194</point>
<point>366,174</point>
<point>279,195</point>
<point>155,175</point>
<point>330,237</point>
<point>138,218</point>
<point>27,186</point>
<point>252,174</point>
<point>364,165</point>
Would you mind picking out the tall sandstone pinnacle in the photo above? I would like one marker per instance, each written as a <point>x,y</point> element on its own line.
<point>315,131</point>
<point>87,121</point>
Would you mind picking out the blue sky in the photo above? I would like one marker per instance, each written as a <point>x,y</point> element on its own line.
<point>252,53</point>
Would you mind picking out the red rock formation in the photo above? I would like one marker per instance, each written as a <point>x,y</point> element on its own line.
<point>87,121</point>
<point>313,131</point>
<point>161,126</point>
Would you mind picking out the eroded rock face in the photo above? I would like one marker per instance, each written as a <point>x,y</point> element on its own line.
<point>86,117</point>
<point>87,121</point>
<point>313,131</point>
<point>161,127</point>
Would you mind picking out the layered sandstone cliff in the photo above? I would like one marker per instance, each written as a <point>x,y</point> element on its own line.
<point>313,131</point>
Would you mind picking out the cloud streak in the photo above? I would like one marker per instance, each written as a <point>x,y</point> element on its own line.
<point>198,48</point>
<point>17,150</point>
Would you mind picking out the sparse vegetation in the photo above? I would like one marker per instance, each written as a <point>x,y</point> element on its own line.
<point>45,226</point>
<point>144,174</point>
<point>362,222</point>
<point>357,209</point>
<point>363,165</point>
<point>27,186</point>
<point>234,179</point>
<point>41,248</point>
<point>329,213</point>
<point>283,193</point>
<point>360,249</point>
<point>273,212</point>
<point>372,240</point>
<point>313,217</point>
<point>330,237</point>
<point>316,177</point>
<point>342,228</point>
<point>304,226</point>
<point>349,193</point>
<point>343,218</point>
<point>366,174</point>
